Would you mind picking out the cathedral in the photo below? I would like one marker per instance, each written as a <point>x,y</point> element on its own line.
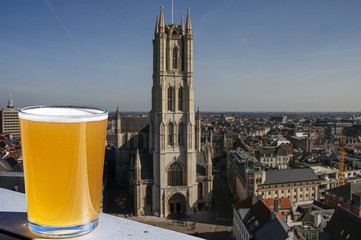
<point>160,156</point>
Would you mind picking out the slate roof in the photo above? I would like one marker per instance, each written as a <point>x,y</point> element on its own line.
<point>260,214</point>
<point>11,161</point>
<point>281,152</point>
<point>267,152</point>
<point>9,180</point>
<point>18,167</point>
<point>275,229</point>
<point>8,164</point>
<point>246,203</point>
<point>134,124</point>
<point>346,191</point>
<point>290,175</point>
<point>344,223</point>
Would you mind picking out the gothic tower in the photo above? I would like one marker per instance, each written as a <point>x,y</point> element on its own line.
<point>175,130</point>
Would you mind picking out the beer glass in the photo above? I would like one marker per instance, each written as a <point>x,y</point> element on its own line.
<point>63,156</point>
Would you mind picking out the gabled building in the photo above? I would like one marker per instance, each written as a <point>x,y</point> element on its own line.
<point>300,184</point>
<point>274,158</point>
<point>246,177</point>
<point>258,222</point>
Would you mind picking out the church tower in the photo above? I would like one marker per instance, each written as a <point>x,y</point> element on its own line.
<point>174,129</point>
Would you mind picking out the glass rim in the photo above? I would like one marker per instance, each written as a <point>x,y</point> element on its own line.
<point>94,114</point>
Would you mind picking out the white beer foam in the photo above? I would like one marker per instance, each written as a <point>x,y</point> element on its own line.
<point>62,114</point>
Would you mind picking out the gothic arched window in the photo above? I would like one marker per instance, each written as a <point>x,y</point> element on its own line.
<point>170,99</point>
<point>180,99</point>
<point>200,191</point>
<point>148,195</point>
<point>125,141</point>
<point>175,58</point>
<point>175,175</point>
<point>170,134</point>
<point>180,134</point>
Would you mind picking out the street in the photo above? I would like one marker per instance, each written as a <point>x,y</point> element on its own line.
<point>222,198</point>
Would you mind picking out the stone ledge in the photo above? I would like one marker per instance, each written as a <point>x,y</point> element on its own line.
<point>13,223</point>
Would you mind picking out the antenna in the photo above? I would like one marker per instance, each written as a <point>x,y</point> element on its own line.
<point>172,11</point>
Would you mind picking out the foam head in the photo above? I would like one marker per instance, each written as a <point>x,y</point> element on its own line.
<point>63,114</point>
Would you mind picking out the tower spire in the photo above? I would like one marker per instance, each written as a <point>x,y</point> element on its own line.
<point>161,24</point>
<point>157,25</point>
<point>137,166</point>
<point>188,23</point>
<point>182,25</point>
<point>117,114</point>
<point>118,121</point>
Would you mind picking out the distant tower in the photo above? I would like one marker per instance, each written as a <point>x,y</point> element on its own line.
<point>175,137</point>
<point>10,102</point>
<point>9,120</point>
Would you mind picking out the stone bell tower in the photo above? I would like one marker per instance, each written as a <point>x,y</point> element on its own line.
<point>175,131</point>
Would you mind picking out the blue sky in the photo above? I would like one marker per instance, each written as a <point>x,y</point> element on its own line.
<point>248,55</point>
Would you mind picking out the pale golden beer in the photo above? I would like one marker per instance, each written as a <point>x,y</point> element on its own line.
<point>63,155</point>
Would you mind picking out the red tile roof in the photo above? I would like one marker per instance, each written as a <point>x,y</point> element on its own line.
<point>283,203</point>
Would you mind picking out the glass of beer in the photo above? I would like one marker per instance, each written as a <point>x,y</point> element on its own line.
<point>63,156</point>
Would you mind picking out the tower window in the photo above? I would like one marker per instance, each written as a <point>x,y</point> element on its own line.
<point>170,99</point>
<point>170,134</point>
<point>180,99</point>
<point>180,134</point>
<point>175,175</point>
<point>175,58</point>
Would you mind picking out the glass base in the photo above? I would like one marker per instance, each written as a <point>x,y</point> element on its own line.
<point>62,232</point>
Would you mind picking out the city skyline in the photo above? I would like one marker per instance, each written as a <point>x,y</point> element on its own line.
<point>280,56</point>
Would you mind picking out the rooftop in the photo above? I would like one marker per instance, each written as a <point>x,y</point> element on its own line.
<point>344,225</point>
<point>346,191</point>
<point>290,175</point>
<point>283,203</point>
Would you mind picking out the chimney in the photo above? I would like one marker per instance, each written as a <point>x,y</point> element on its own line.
<point>272,215</point>
<point>317,219</point>
<point>288,219</point>
<point>276,208</point>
